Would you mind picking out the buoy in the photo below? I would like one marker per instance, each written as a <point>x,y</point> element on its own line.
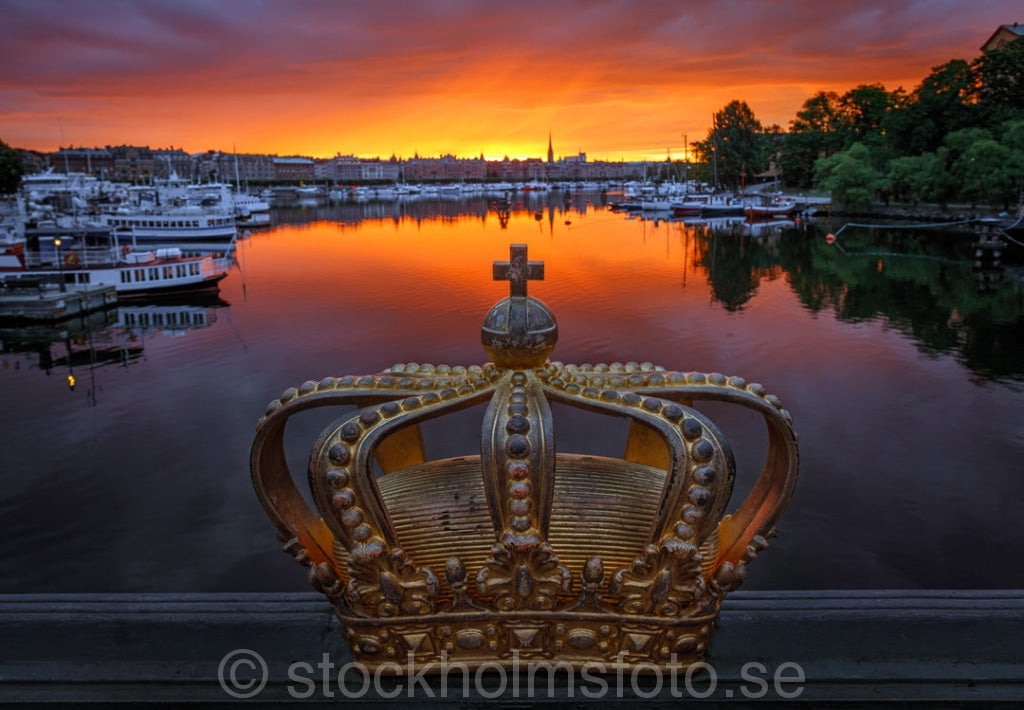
<point>830,238</point>
<point>71,259</point>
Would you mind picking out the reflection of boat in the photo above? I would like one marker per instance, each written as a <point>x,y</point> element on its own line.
<point>763,227</point>
<point>73,260</point>
<point>170,318</point>
<point>116,336</point>
<point>29,337</point>
<point>85,341</point>
<point>717,224</point>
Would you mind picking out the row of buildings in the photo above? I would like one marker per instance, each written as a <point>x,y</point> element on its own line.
<point>133,163</point>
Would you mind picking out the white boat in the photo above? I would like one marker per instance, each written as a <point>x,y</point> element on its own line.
<point>131,273</point>
<point>249,220</point>
<point>175,225</point>
<point>656,205</point>
<point>220,195</point>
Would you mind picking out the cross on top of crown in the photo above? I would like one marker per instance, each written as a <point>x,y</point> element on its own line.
<point>518,270</point>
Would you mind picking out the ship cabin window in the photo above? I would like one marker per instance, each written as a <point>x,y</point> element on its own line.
<point>140,274</point>
<point>126,277</point>
<point>154,274</point>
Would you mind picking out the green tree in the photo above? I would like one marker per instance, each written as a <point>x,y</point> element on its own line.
<point>850,176</point>
<point>1000,87</point>
<point>863,110</point>
<point>942,186</point>
<point>816,132</point>
<point>1013,139</point>
<point>944,102</point>
<point>985,169</point>
<point>11,169</point>
<point>908,177</point>
<point>734,145</point>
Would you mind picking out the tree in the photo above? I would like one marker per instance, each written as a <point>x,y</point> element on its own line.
<point>814,133</point>
<point>1000,76</point>
<point>1013,139</point>
<point>943,187</point>
<point>907,177</point>
<point>11,169</point>
<point>734,145</point>
<point>944,102</point>
<point>850,176</point>
<point>829,123</point>
<point>863,109</point>
<point>983,168</point>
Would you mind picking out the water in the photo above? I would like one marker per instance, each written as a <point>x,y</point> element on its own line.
<point>905,380</point>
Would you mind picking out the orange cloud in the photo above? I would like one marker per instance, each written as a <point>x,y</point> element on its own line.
<point>615,79</point>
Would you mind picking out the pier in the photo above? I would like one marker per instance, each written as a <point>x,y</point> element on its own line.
<point>33,300</point>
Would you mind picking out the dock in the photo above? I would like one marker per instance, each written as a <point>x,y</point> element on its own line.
<point>29,300</point>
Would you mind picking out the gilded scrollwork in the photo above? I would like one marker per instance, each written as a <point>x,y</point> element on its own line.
<point>665,580</point>
<point>515,579</point>
<point>391,585</point>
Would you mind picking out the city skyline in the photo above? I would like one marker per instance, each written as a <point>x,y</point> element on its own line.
<point>619,81</point>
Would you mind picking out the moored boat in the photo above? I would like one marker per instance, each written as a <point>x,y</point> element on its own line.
<point>183,225</point>
<point>131,273</point>
<point>777,208</point>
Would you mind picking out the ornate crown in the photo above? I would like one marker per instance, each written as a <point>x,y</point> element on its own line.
<point>524,551</point>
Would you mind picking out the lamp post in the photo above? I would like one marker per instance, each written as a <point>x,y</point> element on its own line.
<point>60,264</point>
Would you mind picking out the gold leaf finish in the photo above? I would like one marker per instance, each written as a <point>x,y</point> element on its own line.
<point>522,551</point>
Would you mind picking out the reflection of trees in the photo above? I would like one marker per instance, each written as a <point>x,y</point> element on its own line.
<point>736,264</point>
<point>921,282</point>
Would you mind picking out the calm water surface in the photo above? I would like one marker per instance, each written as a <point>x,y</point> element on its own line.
<point>902,366</point>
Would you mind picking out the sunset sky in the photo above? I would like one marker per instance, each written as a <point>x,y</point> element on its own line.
<point>616,79</point>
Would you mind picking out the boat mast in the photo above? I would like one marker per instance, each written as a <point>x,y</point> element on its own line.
<point>714,147</point>
<point>686,167</point>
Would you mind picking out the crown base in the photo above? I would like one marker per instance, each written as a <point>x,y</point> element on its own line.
<point>597,641</point>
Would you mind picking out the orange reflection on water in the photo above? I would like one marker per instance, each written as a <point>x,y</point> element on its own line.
<point>376,291</point>
<point>444,264</point>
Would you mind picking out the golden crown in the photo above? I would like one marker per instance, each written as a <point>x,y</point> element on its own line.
<point>524,551</point>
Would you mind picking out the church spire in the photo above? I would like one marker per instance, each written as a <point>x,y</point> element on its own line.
<point>551,152</point>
